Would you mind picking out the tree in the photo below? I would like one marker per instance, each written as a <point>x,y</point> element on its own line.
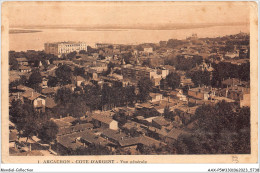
<point>77,110</point>
<point>25,118</point>
<point>163,84</point>
<point>173,80</point>
<point>79,71</point>
<point>221,129</point>
<point>110,46</point>
<point>139,48</point>
<point>71,55</point>
<point>23,80</point>
<point>63,95</point>
<point>121,118</point>
<point>127,57</point>
<point>225,70</point>
<point>243,119</point>
<point>64,74</point>
<point>174,43</point>
<point>91,50</point>
<point>130,94</point>
<point>244,72</point>
<point>14,84</point>
<point>163,43</point>
<point>48,131</point>
<point>145,87</point>
<point>16,111</point>
<point>52,82</point>
<point>83,52</point>
<point>35,79</point>
<point>92,96</point>
<point>182,63</point>
<point>200,78</point>
<point>13,62</point>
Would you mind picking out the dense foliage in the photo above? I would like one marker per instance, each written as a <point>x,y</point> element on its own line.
<point>182,63</point>
<point>221,129</point>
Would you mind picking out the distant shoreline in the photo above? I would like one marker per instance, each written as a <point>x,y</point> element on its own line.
<point>127,27</point>
<point>86,29</point>
<point>21,31</point>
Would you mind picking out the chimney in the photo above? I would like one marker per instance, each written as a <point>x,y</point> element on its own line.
<point>32,93</point>
<point>30,147</point>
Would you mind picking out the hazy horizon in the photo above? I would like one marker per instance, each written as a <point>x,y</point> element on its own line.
<point>33,40</point>
<point>121,22</point>
<point>132,14</point>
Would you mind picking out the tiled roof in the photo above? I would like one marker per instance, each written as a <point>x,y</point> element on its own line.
<point>145,140</point>
<point>91,138</point>
<point>31,95</point>
<point>48,90</point>
<point>24,88</point>
<point>162,132</point>
<point>69,143</point>
<point>113,134</point>
<point>129,142</point>
<point>68,119</point>
<point>175,133</point>
<point>50,103</point>
<point>81,127</point>
<point>102,118</point>
<point>60,123</point>
<point>161,121</point>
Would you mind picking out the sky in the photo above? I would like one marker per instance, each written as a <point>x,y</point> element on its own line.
<point>125,13</point>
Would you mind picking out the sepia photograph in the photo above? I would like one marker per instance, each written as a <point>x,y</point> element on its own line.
<point>140,80</point>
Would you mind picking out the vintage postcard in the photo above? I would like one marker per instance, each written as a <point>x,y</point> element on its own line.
<point>129,82</point>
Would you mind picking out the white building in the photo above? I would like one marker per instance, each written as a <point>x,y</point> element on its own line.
<point>148,50</point>
<point>60,48</point>
<point>138,72</point>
